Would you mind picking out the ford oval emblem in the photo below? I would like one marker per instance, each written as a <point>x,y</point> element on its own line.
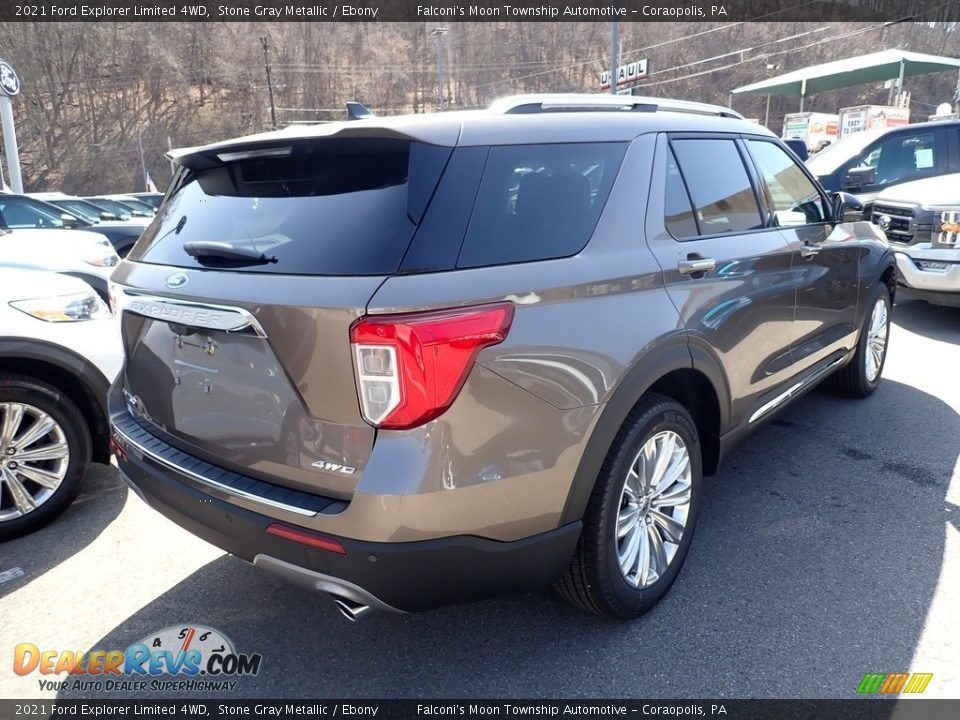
<point>884,222</point>
<point>177,280</point>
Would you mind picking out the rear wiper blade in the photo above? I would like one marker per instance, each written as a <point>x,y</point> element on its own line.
<point>212,250</point>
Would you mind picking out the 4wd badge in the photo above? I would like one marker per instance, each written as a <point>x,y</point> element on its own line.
<point>333,467</point>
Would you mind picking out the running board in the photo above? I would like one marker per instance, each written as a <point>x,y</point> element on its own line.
<point>792,391</point>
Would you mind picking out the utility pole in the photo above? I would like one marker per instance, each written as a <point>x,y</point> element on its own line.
<point>173,167</point>
<point>614,55</point>
<point>266,66</point>
<point>438,33</point>
<point>143,162</point>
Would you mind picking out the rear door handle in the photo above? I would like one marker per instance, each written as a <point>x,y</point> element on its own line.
<point>696,266</point>
<point>808,251</point>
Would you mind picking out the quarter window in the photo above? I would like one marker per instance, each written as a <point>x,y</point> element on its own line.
<point>795,199</point>
<point>723,198</point>
<point>539,201</point>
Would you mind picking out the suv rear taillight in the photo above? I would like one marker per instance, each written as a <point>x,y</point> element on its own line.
<point>410,367</point>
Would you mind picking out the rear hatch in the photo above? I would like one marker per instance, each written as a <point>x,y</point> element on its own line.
<point>238,300</point>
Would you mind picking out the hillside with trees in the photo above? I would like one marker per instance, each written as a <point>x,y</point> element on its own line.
<point>93,91</point>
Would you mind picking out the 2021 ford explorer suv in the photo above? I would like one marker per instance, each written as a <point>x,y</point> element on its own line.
<point>414,361</point>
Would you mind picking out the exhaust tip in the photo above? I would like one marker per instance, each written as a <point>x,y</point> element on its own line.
<point>351,610</point>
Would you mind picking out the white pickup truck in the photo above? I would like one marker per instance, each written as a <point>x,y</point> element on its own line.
<point>922,221</point>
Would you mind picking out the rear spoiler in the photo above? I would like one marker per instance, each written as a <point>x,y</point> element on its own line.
<point>420,128</point>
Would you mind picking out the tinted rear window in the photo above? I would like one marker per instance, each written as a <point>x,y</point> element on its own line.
<point>539,201</point>
<point>326,207</point>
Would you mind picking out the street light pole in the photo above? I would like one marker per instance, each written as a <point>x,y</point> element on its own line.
<point>438,33</point>
<point>614,55</point>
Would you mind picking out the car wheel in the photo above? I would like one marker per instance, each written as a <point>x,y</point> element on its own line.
<point>641,515</point>
<point>44,452</point>
<point>861,376</point>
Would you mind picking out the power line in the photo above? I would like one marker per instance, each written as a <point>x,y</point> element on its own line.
<point>630,53</point>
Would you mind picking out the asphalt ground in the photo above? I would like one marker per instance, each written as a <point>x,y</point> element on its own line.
<point>827,547</point>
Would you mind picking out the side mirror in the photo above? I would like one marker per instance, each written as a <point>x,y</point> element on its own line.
<point>859,177</point>
<point>108,216</point>
<point>847,207</point>
<point>69,221</point>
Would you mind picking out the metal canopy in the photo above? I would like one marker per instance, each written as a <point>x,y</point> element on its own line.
<point>861,70</point>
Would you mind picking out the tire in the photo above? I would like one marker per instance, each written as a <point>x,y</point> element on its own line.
<point>36,401</point>
<point>854,379</point>
<point>594,580</point>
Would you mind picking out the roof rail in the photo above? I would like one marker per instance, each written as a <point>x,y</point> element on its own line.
<point>573,102</point>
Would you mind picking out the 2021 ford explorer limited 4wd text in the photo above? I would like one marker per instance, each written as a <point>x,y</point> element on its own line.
<point>415,361</point>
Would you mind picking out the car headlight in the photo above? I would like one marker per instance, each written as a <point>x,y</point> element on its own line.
<point>65,308</point>
<point>100,254</point>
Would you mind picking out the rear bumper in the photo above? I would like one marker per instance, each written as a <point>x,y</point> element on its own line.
<point>402,576</point>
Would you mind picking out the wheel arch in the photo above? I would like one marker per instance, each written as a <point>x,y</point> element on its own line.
<point>69,373</point>
<point>685,374</point>
<point>889,278</point>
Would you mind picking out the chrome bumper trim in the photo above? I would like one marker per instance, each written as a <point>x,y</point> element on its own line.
<point>207,481</point>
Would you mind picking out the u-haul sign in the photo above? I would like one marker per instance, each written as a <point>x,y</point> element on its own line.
<point>631,72</point>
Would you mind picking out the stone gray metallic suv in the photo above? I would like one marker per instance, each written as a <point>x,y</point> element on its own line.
<point>413,361</point>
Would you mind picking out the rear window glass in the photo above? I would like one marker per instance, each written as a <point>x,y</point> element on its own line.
<point>325,207</point>
<point>539,201</point>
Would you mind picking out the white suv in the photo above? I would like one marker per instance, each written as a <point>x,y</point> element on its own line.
<point>88,256</point>
<point>59,351</point>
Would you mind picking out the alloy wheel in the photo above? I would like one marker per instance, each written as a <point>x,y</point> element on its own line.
<point>876,340</point>
<point>653,510</point>
<point>34,457</point>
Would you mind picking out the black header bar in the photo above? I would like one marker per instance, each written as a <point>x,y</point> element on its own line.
<point>478,11</point>
<point>215,709</point>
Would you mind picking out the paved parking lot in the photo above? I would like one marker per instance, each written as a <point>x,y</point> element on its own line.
<point>828,547</point>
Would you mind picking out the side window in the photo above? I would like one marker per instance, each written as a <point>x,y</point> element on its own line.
<point>796,200</point>
<point>903,158</point>
<point>720,188</point>
<point>677,211</point>
<point>539,201</point>
<point>16,213</point>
